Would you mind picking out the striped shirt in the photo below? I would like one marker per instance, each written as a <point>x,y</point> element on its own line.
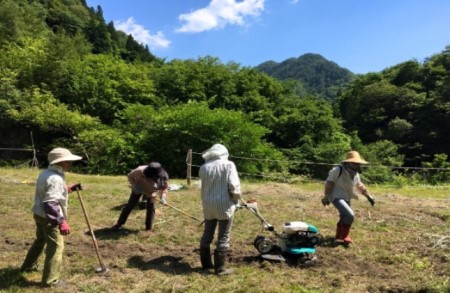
<point>220,182</point>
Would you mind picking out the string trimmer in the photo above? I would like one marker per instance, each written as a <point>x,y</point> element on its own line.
<point>298,240</point>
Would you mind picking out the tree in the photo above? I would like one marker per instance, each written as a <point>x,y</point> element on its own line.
<point>101,86</point>
<point>168,133</point>
<point>307,132</point>
<point>20,19</point>
<point>97,33</point>
<point>136,52</point>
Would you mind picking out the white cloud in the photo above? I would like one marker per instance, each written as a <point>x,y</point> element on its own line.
<point>219,13</point>
<point>142,35</point>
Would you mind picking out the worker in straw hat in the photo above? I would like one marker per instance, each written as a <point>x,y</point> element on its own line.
<point>340,189</point>
<point>50,216</point>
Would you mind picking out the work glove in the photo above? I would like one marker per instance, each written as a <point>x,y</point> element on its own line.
<point>325,201</point>
<point>371,200</point>
<point>64,228</point>
<point>163,200</point>
<point>74,186</point>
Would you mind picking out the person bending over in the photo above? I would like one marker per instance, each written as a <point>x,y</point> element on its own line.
<point>146,181</point>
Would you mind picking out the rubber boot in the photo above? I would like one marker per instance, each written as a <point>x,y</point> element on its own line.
<point>219,263</point>
<point>205,258</point>
<point>339,237</point>
<point>346,234</point>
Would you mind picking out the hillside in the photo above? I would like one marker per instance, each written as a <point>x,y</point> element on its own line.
<point>319,75</point>
<point>73,80</point>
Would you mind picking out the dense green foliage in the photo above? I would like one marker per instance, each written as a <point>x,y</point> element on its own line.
<point>317,75</point>
<point>75,81</point>
<point>407,104</point>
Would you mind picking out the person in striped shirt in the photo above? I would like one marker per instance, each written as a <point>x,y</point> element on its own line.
<point>220,192</point>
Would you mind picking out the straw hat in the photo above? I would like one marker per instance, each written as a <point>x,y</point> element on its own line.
<point>60,155</point>
<point>354,157</point>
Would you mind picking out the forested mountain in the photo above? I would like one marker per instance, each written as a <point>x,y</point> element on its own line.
<point>74,81</point>
<point>71,19</point>
<point>318,75</point>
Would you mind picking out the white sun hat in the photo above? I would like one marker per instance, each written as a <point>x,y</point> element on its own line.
<point>216,151</point>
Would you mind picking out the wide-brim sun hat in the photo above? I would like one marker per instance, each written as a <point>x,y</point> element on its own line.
<point>58,155</point>
<point>354,157</point>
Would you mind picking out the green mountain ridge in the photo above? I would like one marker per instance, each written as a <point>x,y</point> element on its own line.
<point>318,75</point>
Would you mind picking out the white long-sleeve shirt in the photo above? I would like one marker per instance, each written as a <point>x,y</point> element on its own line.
<point>50,187</point>
<point>220,181</point>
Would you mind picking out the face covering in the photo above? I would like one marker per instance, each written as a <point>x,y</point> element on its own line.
<point>353,167</point>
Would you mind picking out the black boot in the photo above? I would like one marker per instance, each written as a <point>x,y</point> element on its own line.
<point>205,258</point>
<point>219,263</point>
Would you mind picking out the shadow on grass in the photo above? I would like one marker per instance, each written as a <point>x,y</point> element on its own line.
<point>166,263</point>
<point>142,205</point>
<point>13,277</point>
<point>108,233</point>
<point>247,259</point>
<point>289,260</point>
<point>330,242</point>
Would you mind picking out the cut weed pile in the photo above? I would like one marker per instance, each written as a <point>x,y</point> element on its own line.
<point>400,245</point>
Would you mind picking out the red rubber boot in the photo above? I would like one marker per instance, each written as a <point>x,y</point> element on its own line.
<point>346,234</point>
<point>339,237</point>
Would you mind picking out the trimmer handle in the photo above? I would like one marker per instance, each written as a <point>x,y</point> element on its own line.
<point>251,204</point>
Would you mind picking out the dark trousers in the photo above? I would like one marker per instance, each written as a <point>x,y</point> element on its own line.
<point>131,204</point>
<point>223,234</point>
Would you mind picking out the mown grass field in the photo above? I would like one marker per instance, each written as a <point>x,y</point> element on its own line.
<point>401,245</point>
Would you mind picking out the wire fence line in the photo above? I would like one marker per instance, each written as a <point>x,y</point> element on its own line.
<point>299,178</point>
<point>15,149</point>
<point>243,173</point>
<point>289,177</point>
<point>334,164</point>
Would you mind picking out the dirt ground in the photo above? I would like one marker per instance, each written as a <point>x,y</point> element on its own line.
<point>402,245</point>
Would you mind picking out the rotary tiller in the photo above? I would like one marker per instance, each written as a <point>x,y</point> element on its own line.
<point>297,241</point>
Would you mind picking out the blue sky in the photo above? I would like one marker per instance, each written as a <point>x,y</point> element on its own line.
<point>360,35</point>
